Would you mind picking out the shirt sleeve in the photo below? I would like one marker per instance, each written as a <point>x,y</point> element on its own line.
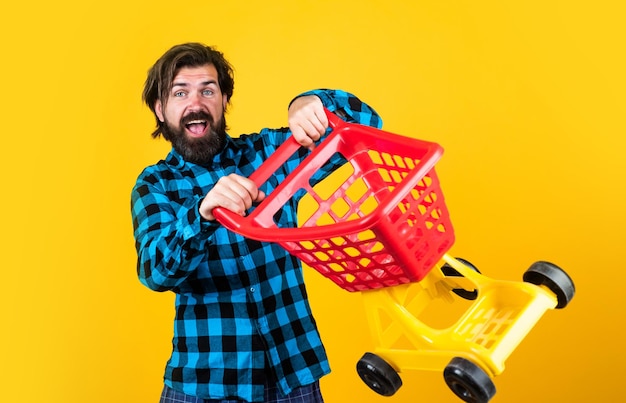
<point>347,106</point>
<point>169,243</point>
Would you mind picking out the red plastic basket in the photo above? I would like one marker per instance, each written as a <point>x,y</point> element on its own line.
<point>378,221</point>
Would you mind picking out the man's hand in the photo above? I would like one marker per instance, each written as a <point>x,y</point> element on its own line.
<point>307,120</point>
<point>233,192</point>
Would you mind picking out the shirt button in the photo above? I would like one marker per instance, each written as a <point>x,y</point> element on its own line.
<point>251,289</point>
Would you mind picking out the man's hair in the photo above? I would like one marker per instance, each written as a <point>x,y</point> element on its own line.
<point>161,75</point>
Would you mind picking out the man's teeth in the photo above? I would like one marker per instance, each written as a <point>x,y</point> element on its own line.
<point>197,122</point>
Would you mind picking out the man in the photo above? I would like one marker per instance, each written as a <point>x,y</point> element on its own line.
<point>243,329</point>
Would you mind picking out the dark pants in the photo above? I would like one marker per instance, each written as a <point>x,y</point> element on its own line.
<point>306,394</point>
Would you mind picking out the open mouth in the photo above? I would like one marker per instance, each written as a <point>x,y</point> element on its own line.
<point>196,127</point>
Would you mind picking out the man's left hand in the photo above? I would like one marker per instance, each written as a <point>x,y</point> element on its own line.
<point>307,120</point>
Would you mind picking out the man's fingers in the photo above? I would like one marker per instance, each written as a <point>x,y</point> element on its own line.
<point>240,190</point>
<point>233,192</point>
<point>307,120</point>
<point>322,119</point>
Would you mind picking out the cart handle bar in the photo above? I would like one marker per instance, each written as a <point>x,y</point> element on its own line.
<point>282,154</point>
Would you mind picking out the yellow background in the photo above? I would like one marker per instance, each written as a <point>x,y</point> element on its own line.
<point>527,99</point>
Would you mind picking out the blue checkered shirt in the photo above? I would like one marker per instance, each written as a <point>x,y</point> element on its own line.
<point>242,313</point>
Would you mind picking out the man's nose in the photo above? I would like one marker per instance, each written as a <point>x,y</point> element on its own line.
<point>195,100</point>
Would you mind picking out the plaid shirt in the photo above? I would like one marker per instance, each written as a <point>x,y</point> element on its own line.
<point>242,312</point>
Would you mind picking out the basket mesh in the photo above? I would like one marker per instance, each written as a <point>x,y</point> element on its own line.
<point>400,247</point>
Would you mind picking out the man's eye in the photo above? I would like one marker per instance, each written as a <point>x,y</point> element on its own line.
<point>207,92</point>
<point>179,93</point>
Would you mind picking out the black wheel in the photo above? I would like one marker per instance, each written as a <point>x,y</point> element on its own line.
<point>451,272</point>
<point>468,381</point>
<point>553,277</point>
<point>378,374</point>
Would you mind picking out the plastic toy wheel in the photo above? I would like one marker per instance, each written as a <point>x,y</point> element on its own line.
<point>468,381</point>
<point>378,375</point>
<point>451,272</point>
<point>553,277</point>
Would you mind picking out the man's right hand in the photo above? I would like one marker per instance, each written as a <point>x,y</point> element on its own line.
<point>233,192</point>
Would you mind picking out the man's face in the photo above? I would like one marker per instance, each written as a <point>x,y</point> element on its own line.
<point>193,115</point>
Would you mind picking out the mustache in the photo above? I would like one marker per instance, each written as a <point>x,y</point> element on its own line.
<point>197,115</point>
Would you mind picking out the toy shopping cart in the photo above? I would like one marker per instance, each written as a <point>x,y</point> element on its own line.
<point>379,225</point>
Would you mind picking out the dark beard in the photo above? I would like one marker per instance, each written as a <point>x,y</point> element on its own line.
<point>197,150</point>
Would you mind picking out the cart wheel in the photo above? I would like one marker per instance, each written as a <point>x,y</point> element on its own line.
<point>378,375</point>
<point>451,272</point>
<point>553,277</point>
<point>468,381</point>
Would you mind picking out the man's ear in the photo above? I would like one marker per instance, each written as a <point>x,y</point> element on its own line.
<point>158,109</point>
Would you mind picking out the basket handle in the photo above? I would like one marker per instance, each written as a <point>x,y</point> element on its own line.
<point>237,223</point>
<point>286,150</point>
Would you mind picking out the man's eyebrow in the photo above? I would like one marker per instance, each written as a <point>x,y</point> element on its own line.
<point>186,84</point>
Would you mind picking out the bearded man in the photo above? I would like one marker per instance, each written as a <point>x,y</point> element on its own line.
<point>243,329</point>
